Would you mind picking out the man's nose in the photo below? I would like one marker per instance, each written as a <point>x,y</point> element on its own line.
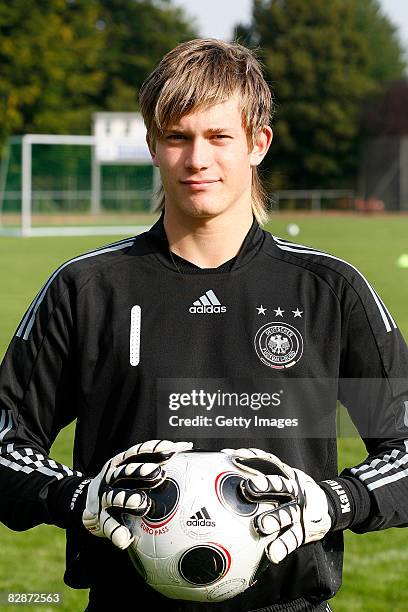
<point>198,155</point>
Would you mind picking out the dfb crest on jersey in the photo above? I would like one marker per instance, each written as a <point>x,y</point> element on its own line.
<point>278,345</point>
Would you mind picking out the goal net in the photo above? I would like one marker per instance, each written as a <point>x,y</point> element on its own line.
<point>104,183</point>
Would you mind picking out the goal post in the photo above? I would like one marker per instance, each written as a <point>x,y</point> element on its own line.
<point>54,181</point>
<point>28,140</point>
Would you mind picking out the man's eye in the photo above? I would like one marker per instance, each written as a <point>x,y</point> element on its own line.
<point>175,137</point>
<point>221,136</point>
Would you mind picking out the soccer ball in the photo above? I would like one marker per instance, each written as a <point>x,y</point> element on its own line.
<point>293,229</point>
<point>197,542</point>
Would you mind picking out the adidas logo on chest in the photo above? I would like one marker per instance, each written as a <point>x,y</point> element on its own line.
<point>207,304</point>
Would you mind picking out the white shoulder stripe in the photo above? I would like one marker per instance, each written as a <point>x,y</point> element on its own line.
<point>385,308</point>
<point>28,321</point>
<point>380,305</point>
<point>291,244</point>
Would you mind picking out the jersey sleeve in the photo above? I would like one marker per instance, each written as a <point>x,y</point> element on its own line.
<point>38,399</point>
<point>373,386</point>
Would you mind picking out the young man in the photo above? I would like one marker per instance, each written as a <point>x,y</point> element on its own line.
<point>206,300</point>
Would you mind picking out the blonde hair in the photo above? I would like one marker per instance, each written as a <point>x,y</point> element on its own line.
<point>198,74</point>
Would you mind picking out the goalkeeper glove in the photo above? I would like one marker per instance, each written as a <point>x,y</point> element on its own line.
<point>120,488</point>
<point>300,512</point>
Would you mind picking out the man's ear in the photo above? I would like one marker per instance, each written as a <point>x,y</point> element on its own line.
<point>152,150</point>
<point>262,142</point>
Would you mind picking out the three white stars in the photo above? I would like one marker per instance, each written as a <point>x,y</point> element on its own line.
<point>279,312</point>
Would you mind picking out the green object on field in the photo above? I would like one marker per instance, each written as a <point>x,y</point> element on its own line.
<point>402,261</point>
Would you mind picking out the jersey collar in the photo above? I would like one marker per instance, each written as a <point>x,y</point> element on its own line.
<point>157,237</point>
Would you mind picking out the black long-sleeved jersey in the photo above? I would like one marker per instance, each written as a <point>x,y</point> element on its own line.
<point>135,343</point>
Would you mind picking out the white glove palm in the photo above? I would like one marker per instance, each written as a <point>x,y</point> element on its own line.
<point>119,488</point>
<point>299,513</point>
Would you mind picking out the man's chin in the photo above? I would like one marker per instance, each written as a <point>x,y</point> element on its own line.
<point>202,210</point>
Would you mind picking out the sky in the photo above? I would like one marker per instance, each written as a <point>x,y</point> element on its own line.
<point>215,18</point>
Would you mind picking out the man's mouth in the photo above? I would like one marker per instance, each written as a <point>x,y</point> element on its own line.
<point>202,184</point>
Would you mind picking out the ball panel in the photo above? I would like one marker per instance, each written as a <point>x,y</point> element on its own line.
<point>230,495</point>
<point>203,565</point>
<point>165,499</point>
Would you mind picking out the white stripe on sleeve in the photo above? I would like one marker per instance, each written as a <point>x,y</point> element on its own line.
<point>384,312</point>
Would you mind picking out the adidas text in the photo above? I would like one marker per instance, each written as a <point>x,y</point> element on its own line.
<point>207,309</point>
<point>207,304</point>
<point>200,523</point>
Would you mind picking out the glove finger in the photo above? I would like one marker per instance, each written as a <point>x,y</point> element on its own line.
<point>275,521</point>
<point>159,446</point>
<point>254,465</point>
<point>117,533</point>
<point>245,452</point>
<point>276,551</point>
<point>136,475</point>
<point>134,451</point>
<point>266,525</point>
<point>255,460</point>
<point>182,447</point>
<point>91,522</point>
<point>157,451</point>
<point>132,502</point>
<point>269,488</point>
<point>250,453</point>
<point>282,546</point>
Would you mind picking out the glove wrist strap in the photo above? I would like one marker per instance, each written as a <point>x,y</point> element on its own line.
<point>67,499</point>
<point>349,504</point>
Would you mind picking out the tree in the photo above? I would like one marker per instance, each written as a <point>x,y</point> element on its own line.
<point>63,59</point>
<point>321,60</point>
<point>386,54</point>
<point>138,33</point>
<point>49,54</point>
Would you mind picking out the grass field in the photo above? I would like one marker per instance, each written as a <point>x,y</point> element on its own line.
<point>375,568</point>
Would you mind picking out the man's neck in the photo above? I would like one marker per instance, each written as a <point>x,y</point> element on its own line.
<point>207,243</point>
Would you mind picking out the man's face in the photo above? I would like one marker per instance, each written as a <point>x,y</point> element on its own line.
<point>205,163</point>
